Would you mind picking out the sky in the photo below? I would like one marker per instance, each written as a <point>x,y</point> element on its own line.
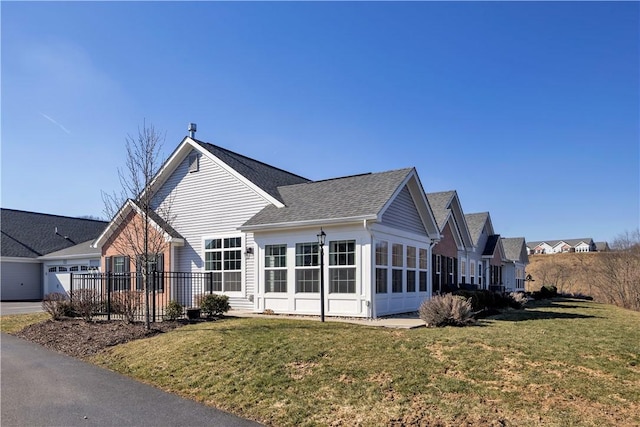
<point>529,110</point>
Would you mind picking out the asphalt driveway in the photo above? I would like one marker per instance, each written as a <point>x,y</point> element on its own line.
<point>43,388</point>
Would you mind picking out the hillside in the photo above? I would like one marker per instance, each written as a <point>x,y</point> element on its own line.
<point>570,272</point>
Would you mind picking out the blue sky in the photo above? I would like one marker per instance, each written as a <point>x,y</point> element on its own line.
<point>530,110</point>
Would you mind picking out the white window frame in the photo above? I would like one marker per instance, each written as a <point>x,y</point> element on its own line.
<point>275,265</point>
<point>223,288</point>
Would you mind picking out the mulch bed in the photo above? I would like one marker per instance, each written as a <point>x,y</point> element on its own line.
<point>81,339</point>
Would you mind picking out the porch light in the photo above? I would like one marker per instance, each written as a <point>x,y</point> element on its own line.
<point>321,237</point>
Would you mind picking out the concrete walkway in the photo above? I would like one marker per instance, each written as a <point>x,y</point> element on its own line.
<point>401,321</point>
<point>43,388</point>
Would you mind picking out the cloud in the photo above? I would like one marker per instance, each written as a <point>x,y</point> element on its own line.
<point>55,123</point>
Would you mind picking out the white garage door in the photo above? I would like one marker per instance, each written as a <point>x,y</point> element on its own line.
<point>59,277</point>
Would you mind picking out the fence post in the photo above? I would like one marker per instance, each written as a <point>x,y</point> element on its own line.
<point>109,283</point>
<point>154,277</point>
<point>210,280</point>
<point>71,291</point>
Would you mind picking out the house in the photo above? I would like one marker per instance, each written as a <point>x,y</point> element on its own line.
<point>602,246</point>
<point>253,229</point>
<point>39,250</point>
<point>451,261</point>
<point>561,246</point>
<point>488,256</point>
<point>516,260</point>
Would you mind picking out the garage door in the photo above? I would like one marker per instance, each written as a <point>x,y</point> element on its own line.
<point>59,277</point>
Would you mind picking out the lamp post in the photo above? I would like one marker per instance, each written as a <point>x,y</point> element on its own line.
<point>321,236</point>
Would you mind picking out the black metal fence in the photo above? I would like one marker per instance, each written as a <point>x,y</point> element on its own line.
<point>123,296</point>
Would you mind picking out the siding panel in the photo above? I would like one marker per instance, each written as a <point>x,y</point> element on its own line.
<point>209,203</point>
<point>403,214</point>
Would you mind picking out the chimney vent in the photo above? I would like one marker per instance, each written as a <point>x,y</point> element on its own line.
<point>192,130</point>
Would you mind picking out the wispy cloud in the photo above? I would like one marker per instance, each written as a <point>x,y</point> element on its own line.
<point>55,123</point>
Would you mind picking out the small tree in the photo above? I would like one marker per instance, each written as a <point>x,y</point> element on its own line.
<point>618,271</point>
<point>139,238</point>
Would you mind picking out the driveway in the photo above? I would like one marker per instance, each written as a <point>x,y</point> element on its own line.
<point>43,388</point>
<point>7,308</point>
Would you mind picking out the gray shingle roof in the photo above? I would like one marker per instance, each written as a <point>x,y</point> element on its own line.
<point>266,177</point>
<point>83,248</point>
<point>476,222</point>
<point>439,203</point>
<point>31,234</point>
<point>570,242</point>
<point>160,221</point>
<point>348,197</point>
<point>513,248</point>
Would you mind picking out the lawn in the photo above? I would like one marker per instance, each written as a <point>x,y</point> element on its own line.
<point>558,363</point>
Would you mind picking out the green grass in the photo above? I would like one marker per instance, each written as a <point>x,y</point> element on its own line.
<point>16,322</point>
<point>557,364</point>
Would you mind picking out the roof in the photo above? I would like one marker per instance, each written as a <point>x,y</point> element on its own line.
<point>475,223</point>
<point>352,197</point>
<point>31,234</point>
<point>439,203</point>
<point>602,246</point>
<point>514,248</point>
<point>81,249</point>
<point>490,246</point>
<point>265,176</point>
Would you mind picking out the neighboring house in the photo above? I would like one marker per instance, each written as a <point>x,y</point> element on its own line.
<point>602,246</point>
<point>451,255</point>
<point>488,256</point>
<point>39,250</point>
<point>561,246</point>
<point>515,252</point>
<point>254,227</point>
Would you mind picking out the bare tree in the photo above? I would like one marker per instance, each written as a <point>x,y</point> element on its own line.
<point>618,271</point>
<point>135,211</point>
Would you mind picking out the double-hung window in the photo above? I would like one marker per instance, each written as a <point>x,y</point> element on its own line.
<point>397,264</point>
<point>411,269</point>
<point>382,262</point>
<point>422,267</point>
<point>275,268</point>
<point>223,257</point>
<point>307,270</point>
<point>342,267</point>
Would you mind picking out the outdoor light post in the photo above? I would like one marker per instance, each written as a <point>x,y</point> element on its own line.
<point>321,237</point>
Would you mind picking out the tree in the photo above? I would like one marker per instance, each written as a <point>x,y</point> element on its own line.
<point>619,271</point>
<point>135,211</point>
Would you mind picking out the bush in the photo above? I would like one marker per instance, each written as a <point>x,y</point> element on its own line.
<point>447,310</point>
<point>485,299</point>
<point>545,292</point>
<point>57,305</point>
<point>214,304</point>
<point>173,311</point>
<point>85,303</point>
<point>518,299</point>
<point>126,303</point>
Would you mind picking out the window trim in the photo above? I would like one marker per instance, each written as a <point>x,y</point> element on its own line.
<point>242,260</point>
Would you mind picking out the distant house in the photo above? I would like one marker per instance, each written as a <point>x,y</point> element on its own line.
<point>38,251</point>
<point>488,255</point>
<point>253,228</point>
<point>513,270</point>
<point>561,246</point>
<point>451,260</point>
<point>602,247</point>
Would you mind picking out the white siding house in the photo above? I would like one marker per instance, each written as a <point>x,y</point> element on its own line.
<point>255,227</point>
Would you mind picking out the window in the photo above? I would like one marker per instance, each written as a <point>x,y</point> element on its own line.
<point>53,269</point>
<point>472,271</point>
<point>480,273</point>
<point>118,266</point>
<point>411,269</point>
<point>155,264</point>
<point>224,258</point>
<point>422,266</point>
<point>463,271</point>
<point>382,260</point>
<point>307,271</point>
<point>275,268</point>
<point>74,268</point>
<point>397,260</point>
<point>342,271</point>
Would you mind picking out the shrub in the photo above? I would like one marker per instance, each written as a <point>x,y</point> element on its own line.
<point>173,311</point>
<point>518,299</point>
<point>484,299</point>
<point>85,303</point>
<point>446,310</point>
<point>57,305</point>
<point>126,303</point>
<point>214,304</point>
<point>545,292</point>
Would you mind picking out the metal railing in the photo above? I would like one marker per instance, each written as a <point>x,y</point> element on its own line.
<point>122,295</point>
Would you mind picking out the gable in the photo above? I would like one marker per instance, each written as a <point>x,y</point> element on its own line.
<point>402,213</point>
